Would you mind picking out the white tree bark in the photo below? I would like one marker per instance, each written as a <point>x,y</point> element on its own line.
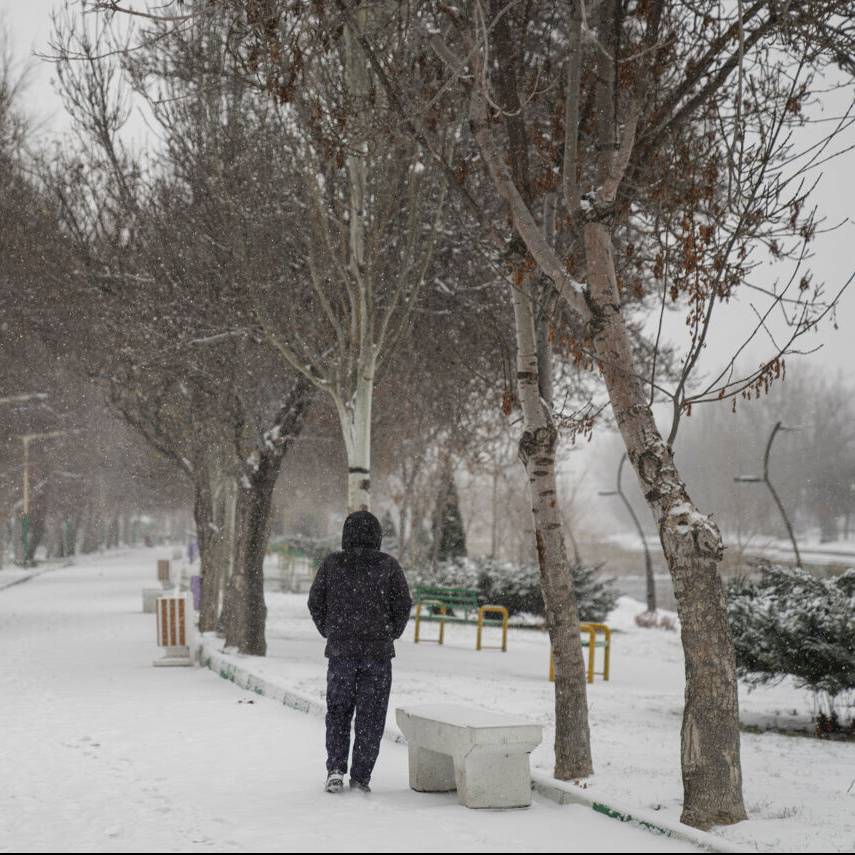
<point>371,231</point>
<point>537,451</point>
<point>355,419</point>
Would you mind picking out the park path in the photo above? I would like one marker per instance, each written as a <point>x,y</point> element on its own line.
<point>100,751</point>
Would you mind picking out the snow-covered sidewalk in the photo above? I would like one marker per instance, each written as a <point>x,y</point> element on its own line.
<point>102,752</point>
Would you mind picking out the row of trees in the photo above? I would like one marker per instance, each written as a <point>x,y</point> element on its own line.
<point>72,476</point>
<point>202,300</point>
<point>450,190</point>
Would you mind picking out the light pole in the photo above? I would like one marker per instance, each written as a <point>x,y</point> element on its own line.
<point>27,438</point>
<point>756,479</point>
<point>648,563</point>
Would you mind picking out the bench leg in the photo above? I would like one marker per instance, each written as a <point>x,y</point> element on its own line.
<point>431,772</point>
<point>493,780</point>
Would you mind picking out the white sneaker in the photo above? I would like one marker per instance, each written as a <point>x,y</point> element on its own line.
<point>335,782</point>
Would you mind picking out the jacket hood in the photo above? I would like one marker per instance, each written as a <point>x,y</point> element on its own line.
<point>361,530</point>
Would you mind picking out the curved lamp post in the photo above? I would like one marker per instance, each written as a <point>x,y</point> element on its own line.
<point>648,563</point>
<point>764,479</point>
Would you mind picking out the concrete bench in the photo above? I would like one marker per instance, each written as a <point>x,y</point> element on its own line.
<point>484,756</point>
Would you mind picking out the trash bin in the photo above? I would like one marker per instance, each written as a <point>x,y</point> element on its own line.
<point>174,629</point>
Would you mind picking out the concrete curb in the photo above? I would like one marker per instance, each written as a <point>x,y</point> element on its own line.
<point>564,793</point>
<point>33,575</point>
<point>19,581</point>
<point>209,656</point>
<point>225,665</point>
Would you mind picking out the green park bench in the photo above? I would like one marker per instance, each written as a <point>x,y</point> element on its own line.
<point>460,605</point>
<point>456,605</point>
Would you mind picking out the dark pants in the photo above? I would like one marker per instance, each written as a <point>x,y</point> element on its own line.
<point>362,685</point>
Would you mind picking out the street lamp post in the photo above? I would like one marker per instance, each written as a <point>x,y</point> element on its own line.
<point>22,399</point>
<point>764,479</point>
<point>648,563</point>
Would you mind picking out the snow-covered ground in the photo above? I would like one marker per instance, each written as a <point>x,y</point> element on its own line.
<point>14,575</point>
<point>102,752</point>
<point>812,550</point>
<point>800,791</point>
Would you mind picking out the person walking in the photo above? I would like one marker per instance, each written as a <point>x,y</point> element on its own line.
<point>360,602</point>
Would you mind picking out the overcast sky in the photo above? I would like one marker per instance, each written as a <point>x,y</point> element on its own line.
<point>28,25</point>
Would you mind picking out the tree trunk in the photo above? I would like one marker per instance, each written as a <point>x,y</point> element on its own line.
<point>402,532</point>
<point>209,536</point>
<point>58,537</point>
<point>38,522</point>
<point>112,534</point>
<point>91,532</point>
<point>651,582</point>
<point>494,514</point>
<point>246,612</point>
<point>126,529</point>
<point>355,418</point>
<point>356,414</point>
<point>712,773</point>
<point>537,452</point>
<point>72,526</point>
<point>828,529</point>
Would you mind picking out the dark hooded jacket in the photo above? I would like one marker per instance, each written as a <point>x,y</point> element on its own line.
<point>360,601</point>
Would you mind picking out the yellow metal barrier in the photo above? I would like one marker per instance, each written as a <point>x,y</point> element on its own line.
<point>591,630</point>
<point>442,612</point>
<point>607,647</point>
<point>497,610</point>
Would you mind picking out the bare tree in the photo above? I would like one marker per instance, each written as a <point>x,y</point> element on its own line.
<point>373,212</point>
<point>159,302</point>
<point>366,208</point>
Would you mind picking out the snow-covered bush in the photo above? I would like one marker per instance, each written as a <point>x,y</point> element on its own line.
<point>315,548</point>
<point>789,622</point>
<point>517,587</point>
<point>657,620</point>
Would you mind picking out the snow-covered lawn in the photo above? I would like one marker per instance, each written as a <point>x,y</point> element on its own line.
<point>101,752</point>
<point>812,550</point>
<point>800,791</point>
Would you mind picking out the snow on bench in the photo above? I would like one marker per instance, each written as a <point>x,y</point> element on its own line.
<point>482,755</point>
